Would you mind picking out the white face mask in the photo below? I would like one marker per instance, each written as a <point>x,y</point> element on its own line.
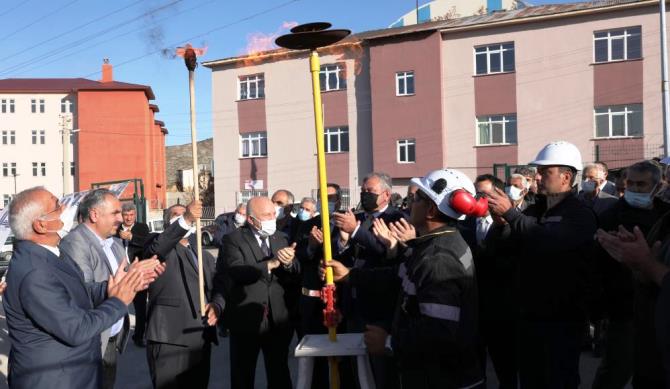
<point>268,228</point>
<point>588,186</point>
<point>240,219</point>
<point>190,230</point>
<point>67,217</point>
<point>514,193</point>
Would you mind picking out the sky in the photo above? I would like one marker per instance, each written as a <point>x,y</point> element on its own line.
<point>70,38</point>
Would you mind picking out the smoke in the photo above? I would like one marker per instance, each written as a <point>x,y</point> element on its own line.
<point>154,37</point>
<point>260,41</point>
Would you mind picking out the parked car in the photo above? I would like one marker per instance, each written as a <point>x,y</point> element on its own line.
<point>155,225</point>
<point>6,254</point>
<point>208,233</point>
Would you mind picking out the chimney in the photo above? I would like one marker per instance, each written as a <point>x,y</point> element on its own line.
<point>106,71</point>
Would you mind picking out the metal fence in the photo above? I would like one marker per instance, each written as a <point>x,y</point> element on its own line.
<point>621,155</point>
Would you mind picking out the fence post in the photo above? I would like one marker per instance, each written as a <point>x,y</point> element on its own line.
<point>597,152</point>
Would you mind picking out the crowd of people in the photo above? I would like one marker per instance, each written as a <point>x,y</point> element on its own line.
<point>457,273</point>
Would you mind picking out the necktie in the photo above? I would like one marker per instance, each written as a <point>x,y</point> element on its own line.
<point>265,249</point>
<point>482,229</point>
<point>194,258</point>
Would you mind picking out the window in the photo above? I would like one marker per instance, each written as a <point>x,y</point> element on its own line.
<point>333,77</point>
<point>404,83</point>
<point>8,137</point>
<point>246,195</point>
<point>496,129</point>
<point>618,120</point>
<point>71,168</point>
<point>254,145</point>
<point>7,105</point>
<point>493,59</point>
<point>8,169</point>
<point>406,151</point>
<point>336,139</point>
<point>65,105</point>
<point>36,105</point>
<point>39,169</point>
<point>6,199</point>
<point>617,45</point>
<point>38,137</point>
<point>251,87</point>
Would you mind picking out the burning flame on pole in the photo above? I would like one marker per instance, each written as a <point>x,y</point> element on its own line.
<point>190,55</point>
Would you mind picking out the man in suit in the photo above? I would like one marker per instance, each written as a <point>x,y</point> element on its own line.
<point>54,317</point>
<point>495,258</point>
<point>253,266</point>
<point>179,334</point>
<point>133,235</point>
<point>92,246</point>
<point>607,186</point>
<point>365,305</point>
<point>283,200</point>
<point>229,222</point>
<point>593,194</point>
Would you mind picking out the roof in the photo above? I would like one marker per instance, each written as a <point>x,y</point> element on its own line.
<point>67,85</point>
<point>522,15</point>
<point>159,123</point>
<point>154,108</point>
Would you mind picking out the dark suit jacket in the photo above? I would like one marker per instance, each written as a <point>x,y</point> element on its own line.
<point>226,225</point>
<point>174,304</point>
<point>54,321</point>
<point>373,305</point>
<point>252,294</point>
<point>140,232</point>
<point>610,188</point>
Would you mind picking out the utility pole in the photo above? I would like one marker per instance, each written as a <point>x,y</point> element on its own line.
<point>664,72</point>
<point>417,11</point>
<point>15,175</point>
<point>66,129</point>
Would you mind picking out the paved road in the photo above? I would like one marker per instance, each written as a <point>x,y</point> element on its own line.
<point>134,372</point>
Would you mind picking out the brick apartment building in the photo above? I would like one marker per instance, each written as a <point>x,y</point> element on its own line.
<point>116,135</point>
<point>465,93</point>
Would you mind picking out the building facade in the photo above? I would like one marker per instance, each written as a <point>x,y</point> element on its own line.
<point>450,9</point>
<point>469,93</point>
<point>114,135</point>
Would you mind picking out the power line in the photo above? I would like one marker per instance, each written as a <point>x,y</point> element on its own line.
<point>14,7</point>
<point>70,30</point>
<point>143,28</point>
<point>244,19</point>
<point>57,10</point>
<point>87,38</point>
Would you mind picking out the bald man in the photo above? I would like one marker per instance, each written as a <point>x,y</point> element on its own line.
<point>254,264</point>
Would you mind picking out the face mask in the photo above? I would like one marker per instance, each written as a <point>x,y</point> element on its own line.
<point>369,201</point>
<point>331,207</point>
<point>588,186</point>
<point>279,211</point>
<point>67,218</point>
<point>268,228</point>
<point>304,215</point>
<point>638,200</point>
<point>240,219</point>
<point>514,193</point>
<point>190,230</point>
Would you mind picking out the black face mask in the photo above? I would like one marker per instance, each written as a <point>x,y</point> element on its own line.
<point>369,201</point>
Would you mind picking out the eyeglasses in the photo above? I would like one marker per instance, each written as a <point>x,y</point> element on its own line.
<point>59,206</point>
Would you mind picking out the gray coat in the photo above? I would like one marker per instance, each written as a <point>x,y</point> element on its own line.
<point>82,246</point>
<point>600,203</point>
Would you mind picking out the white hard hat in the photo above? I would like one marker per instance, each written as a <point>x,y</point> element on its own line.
<point>559,153</point>
<point>440,192</point>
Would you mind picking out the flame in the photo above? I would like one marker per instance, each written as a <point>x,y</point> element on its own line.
<point>349,50</point>
<point>260,42</point>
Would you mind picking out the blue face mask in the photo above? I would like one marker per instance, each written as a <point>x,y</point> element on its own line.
<point>304,215</point>
<point>638,200</point>
<point>331,207</point>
